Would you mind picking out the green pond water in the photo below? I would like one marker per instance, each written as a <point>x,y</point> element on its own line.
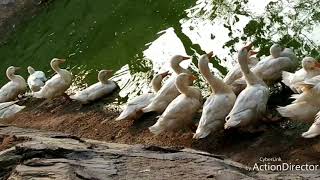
<point>137,38</point>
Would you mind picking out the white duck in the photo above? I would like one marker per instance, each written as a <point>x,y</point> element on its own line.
<point>288,52</point>
<point>58,84</point>
<point>17,85</point>
<point>314,130</point>
<point>236,73</point>
<point>181,110</point>
<point>219,103</point>
<point>310,68</point>
<point>252,101</point>
<point>270,69</point>
<point>8,109</point>
<point>133,107</point>
<point>168,91</point>
<point>36,79</point>
<point>97,90</point>
<point>306,104</point>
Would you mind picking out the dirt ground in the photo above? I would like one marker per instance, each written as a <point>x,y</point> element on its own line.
<point>96,121</point>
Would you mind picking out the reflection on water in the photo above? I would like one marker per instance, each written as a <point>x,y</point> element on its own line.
<point>137,39</point>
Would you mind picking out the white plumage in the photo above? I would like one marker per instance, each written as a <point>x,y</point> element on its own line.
<point>8,109</point>
<point>134,107</point>
<point>270,69</point>
<point>314,129</point>
<point>98,90</point>
<point>58,84</point>
<point>236,73</point>
<point>306,104</point>
<point>17,85</point>
<point>168,91</point>
<point>310,68</point>
<point>36,79</point>
<point>217,106</point>
<point>181,110</point>
<point>252,101</point>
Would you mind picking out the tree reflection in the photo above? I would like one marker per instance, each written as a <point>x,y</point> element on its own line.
<point>291,23</point>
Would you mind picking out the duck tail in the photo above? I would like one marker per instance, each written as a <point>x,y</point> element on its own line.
<point>147,109</point>
<point>231,124</point>
<point>125,114</point>
<point>73,97</point>
<point>201,133</point>
<point>295,96</point>
<point>286,78</point>
<point>37,95</point>
<point>285,111</point>
<point>132,114</point>
<point>122,116</point>
<point>312,132</point>
<point>80,98</point>
<point>290,111</point>
<point>156,129</point>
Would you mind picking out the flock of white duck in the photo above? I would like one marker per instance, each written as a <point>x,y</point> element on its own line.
<point>237,101</point>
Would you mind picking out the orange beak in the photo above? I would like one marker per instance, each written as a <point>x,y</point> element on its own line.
<point>210,54</point>
<point>165,74</point>
<point>317,65</point>
<point>193,78</point>
<point>185,57</point>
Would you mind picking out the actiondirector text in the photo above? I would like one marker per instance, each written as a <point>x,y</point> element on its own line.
<point>276,164</point>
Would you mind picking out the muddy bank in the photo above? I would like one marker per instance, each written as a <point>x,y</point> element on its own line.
<point>96,121</point>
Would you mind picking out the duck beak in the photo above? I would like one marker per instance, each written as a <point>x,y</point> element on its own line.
<point>165,74</point>
<point>185,57</point>
<point>317,65</point>
<point>193,77</point>
<point>248,47</point>
<point>62,60</point>
<point>210,54</point>
<point>17,68</point>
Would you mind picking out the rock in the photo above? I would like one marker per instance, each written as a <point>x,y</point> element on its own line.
<point>50,155</point>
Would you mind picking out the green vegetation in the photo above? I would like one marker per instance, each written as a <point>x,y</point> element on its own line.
<point>95,34</point>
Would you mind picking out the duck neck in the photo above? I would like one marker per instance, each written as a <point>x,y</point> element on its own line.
<point>216,84</point>
<point>175,65</point>
<point>15,78</point>
<point>156,83</point>
<point>184,88</point>
<point>249,76</point>
<point>11,76</point>
<point>55,67</point>
<point>102,79</point>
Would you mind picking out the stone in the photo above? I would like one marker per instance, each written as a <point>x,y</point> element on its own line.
<point>51,155</point>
